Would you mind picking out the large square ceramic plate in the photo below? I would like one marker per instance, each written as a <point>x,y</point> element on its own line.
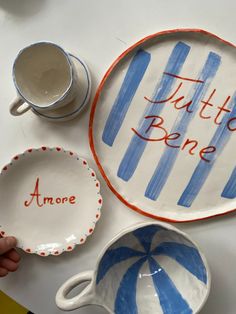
<point>162,126</point>
<point>50,200</point>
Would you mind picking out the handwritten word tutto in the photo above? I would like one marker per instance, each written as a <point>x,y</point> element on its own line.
<point>206,106</point>
<point>176,139</point>
<point>170,138</point>
<point>41,201</point>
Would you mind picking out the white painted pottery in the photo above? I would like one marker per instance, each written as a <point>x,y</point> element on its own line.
<point>50,200</point>
<point>163,123</point>
<point>44,77</point>
<point>147,268</point>
<point>72,109</point>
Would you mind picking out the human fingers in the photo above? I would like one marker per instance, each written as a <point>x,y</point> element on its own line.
<point>13,255</point>
<point>6,244</point>
<point>8,264</point>
<point>3,272</point>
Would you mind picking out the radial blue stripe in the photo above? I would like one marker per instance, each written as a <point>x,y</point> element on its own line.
<point>171,300</point>
<point>131,82</point>
<point>126,295</point>
<point>113,257</point>
<point>185,255</point>
<point>146,234</point>
<point>168,158</point>
<point>203,169</point>
<point>230,188</point>
<point>137,146</point>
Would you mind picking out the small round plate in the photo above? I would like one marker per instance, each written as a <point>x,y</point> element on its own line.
<point>50,200</point>
<point>71,110</point>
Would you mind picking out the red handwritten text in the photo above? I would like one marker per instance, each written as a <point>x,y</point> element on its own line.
<point>206,107</point>
<point>156,122</point>
<point>47,200</point>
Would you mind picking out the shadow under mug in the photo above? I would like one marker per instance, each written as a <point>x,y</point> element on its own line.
<point>147,268</point>
<point>44,77</point>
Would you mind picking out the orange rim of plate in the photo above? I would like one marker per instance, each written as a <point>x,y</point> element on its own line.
<point>94,106</point>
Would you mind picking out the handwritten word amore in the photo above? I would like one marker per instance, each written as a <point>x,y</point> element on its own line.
<point>40,200</point>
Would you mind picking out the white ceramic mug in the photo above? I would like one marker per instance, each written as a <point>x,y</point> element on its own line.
<point>44,77</point>
<point>147,268</point>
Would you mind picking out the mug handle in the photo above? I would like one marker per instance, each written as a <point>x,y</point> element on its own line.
<point>84,298</point>
<point>16,104</point>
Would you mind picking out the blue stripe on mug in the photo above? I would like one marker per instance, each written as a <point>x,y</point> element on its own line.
<point>170,298</point>
<point>126,295</point>
<point>113,257</point>
<point>145,236</point>
<point>185,255</point>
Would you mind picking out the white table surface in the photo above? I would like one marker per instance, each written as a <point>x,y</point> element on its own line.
<point>98,31</point>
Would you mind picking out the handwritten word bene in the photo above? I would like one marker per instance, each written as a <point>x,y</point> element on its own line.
<point>157,122</point>
<point>41,201</point>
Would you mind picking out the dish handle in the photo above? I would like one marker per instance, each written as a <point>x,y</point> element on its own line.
<point>15,106</point>
<point>85,297</point>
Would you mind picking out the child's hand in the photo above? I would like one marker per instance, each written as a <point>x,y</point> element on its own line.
<point>9,258</point>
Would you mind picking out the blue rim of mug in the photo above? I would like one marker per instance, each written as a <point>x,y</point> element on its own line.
<point>84,100</point>
<point>71,74</point>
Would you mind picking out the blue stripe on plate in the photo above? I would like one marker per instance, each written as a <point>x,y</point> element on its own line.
<point>168,158</point>
<point>125,96</point>
<point>230,187</point>
<point>203,169</point>
<point>137,146</point>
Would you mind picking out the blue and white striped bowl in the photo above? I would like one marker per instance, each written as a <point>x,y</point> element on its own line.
<point>149,268</point>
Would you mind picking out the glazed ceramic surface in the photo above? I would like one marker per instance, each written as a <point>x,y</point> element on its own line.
<point>148,268</point>
<point>162,126</point>
<point>50,200</point>
<point>71,110</point>
<point>44,77</point>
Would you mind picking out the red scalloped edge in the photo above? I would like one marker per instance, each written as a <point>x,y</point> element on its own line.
<point>69,246</point>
